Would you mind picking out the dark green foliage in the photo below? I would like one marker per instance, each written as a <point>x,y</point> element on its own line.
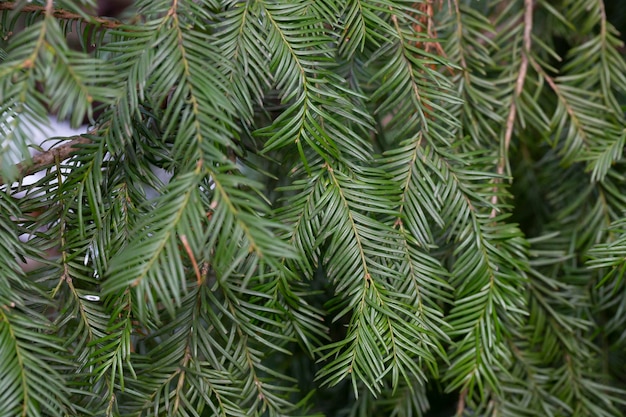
<point>389,208</point>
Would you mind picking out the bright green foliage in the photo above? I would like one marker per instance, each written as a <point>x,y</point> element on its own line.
<point>374,207</point>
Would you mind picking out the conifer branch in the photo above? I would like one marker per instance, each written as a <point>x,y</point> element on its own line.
<point>394,271</point>
<point>519,86</point>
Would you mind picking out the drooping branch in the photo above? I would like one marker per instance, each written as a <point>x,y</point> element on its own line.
<point>64,15</point>
<point>47,158</point>
<point>519,86</point>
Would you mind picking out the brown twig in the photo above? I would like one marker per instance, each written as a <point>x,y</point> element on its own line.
<point>64,15</point>
<point>426,22</point>
<point>459,29</point>
<point>48,158</point>
<point>460,406</point>
<point>187,247</point>
<point>519,86</point>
